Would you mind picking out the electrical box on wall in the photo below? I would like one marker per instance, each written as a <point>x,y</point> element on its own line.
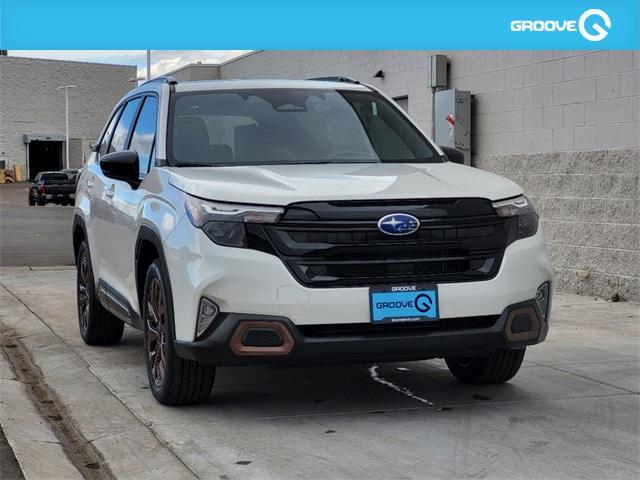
<point>453,120</point>
<point>439,70</point>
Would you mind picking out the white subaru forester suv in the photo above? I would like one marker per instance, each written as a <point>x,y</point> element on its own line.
<point>292,222</point>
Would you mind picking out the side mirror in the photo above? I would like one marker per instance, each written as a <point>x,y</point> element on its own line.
<point>453,154</point>
<point>121,166</point>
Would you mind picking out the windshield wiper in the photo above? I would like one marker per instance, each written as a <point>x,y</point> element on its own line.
<point>195,164</point>
<point>258,164</point>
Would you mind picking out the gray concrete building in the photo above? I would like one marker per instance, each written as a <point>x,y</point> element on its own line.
<point>32,110</point>
<point>563,124</point>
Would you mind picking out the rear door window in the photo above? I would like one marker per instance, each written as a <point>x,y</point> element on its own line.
<point>144,133</point>
<point>121,133</point>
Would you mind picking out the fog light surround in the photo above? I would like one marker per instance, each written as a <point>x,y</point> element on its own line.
<point>207,313</point>
<point>522,324</point>
<point>543,294</point>
<point>239,348</point>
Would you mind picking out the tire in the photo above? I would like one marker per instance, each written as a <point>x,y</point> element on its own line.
<point>64,202</point>
<point>97,325</point>
<point>42,201</point>
<point>32,201</point>
<point>173,380</point>
<point>497,368</point>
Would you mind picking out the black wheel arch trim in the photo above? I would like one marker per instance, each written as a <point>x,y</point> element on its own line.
<point>149,234</point>
<point>78,222</point>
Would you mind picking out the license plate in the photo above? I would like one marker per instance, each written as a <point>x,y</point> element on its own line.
<point>404,303</point>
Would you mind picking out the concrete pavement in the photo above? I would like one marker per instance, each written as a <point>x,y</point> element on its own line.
<point>8,464</point>
<point>571,412</point>
<point>33,235</point>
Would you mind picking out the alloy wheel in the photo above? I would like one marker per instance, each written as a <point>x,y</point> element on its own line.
<point>83,292</point>
<point>156,336</point>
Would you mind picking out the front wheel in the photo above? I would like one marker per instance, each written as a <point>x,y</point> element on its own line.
<point>173,380</point>
<point>497,368</point>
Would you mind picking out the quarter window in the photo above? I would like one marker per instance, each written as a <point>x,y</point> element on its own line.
<point>121,133</point>
<point>144,133</point>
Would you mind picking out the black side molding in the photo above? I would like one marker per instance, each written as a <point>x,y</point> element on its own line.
<point>118,305</point>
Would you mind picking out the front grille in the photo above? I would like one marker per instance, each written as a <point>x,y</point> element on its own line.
<point>339,244</point>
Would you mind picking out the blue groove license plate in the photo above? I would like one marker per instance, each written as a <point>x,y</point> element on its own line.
<point>404,303</point>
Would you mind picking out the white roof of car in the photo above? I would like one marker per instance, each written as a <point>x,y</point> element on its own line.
<point>205,85</point>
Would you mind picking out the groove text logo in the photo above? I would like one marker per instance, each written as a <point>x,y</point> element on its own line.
<point>591,25</point>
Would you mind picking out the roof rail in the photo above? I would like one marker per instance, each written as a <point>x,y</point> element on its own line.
<point>164,79</point>
<point>339,78</point>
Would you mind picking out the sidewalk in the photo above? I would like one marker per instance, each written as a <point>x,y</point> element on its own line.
<point>571,412</point>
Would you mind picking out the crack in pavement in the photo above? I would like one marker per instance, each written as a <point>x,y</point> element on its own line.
<point>586,377</point>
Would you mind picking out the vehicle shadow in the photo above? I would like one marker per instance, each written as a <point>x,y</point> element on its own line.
<point>269,392</point>
<point>354,388</point>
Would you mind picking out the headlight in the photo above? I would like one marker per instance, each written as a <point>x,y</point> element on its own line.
<point>224,223</point>
<point>522,209</point>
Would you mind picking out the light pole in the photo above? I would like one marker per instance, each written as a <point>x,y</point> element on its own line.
<point>66,119</point>
<point>148,65</point>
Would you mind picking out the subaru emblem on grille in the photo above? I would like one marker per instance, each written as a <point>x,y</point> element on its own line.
<point>398,224</point>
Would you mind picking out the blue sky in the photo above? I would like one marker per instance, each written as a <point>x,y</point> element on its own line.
<point>162,61</point>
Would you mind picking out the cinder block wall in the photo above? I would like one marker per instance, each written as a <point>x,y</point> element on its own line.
<point>30,103</point>
<point>563,124</point>
<point>79,151</point>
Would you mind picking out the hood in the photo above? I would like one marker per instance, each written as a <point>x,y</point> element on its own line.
<point>286,184</point>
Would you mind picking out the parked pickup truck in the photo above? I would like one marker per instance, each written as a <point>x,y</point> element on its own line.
<point>54,187</point>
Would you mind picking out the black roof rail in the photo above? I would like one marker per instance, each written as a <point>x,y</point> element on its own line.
<point>164,79</point>
<point>339,78</point>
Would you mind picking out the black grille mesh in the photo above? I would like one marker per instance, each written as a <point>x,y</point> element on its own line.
<point>345,247</point>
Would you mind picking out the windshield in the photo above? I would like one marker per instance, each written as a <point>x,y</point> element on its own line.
<point>290,126</point>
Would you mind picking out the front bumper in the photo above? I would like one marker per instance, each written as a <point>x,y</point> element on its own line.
<point>257,283</point>
<point>468,337</point>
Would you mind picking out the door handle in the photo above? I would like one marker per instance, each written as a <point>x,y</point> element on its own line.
<point>91,183</point>
<point>111,190</point>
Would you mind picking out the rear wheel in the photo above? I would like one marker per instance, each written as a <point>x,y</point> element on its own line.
<point>497,368</point>
<point>32,201</point>
<point>173,380</point>
<point>42,201</point>
<point>97,325</point>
